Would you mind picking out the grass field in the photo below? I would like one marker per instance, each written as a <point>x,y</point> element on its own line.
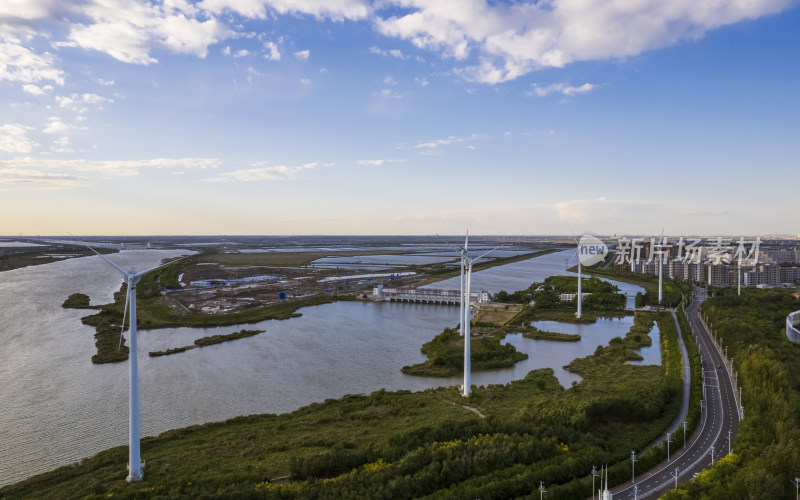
<point>404,445</point>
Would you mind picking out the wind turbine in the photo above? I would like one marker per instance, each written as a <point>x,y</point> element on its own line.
<point>467,318</point>
<point>660,268</point>
<point>132,277</point>
<point>464,319</point>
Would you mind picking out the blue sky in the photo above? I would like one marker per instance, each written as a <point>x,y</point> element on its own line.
<point>399,117</point>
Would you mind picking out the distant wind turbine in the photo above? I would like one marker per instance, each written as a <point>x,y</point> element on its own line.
<point>465,317</point>
<point>132,277</point>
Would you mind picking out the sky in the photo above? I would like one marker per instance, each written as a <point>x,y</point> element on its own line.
<point>138,117</point>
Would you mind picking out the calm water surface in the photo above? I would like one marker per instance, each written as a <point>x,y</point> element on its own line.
<point>56,407</point>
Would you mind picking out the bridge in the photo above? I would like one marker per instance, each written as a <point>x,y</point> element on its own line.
<point>426,295</point>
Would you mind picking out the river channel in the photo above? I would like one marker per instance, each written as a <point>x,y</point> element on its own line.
<point>56,407</point>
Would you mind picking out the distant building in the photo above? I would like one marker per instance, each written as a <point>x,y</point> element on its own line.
<point>569,297</point>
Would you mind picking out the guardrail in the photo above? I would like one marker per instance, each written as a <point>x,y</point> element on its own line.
<point>792,323</point>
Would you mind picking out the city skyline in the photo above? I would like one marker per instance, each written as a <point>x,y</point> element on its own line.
<point>351,117</point>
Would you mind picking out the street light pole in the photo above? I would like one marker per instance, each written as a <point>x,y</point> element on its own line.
<point>684,433</point>
<point>633,467</point>
<point>541,490</point>
<point>796,487</point>
<point>594,474</point>
<point>676,478</point>
<point>669,440</point>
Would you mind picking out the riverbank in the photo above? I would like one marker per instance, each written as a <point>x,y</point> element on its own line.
<point>402,443</point>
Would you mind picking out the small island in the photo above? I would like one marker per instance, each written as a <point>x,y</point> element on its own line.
<point>207,341</point>
<point>78,301</point>
<point>446,355</point>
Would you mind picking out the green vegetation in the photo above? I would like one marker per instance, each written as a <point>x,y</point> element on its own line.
<point>604,296</point>
<point>446,355</point>
<point>206,341</point>
<point>77,301</point>
<point>409,445</point>
<point>768,442</point>
<point>153,312</point>
<point>174,350</point>
<point>218,339</point>
<point>537,334</point>
<point>672,293</point>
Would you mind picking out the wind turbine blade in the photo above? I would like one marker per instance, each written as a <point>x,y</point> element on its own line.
<point>124,316</point>
<point>142,273</point>
<point>458,250</point>
<point>117,267</point>
<point>486,253</point>
<point>573,235</point>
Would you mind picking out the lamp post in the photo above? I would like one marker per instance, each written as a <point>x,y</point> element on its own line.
<point>633,466</point>
<point>669,440</point>
<point>796,483</point>
<point>676,478</point>
<point>594,474</point>
<point>684,433</point>
<point>541,490</point>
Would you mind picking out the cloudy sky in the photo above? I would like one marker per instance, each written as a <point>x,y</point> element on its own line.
<point>399,116</point>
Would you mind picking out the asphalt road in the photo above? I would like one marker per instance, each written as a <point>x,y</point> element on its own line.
<point>719,418</point>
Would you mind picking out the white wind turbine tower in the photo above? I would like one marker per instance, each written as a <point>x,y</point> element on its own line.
<point>132,277</point>
<point>591,250</point>
<point>465,317</point>
<point>660,267</point>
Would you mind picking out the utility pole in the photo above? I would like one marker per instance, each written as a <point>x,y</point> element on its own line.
<point>729,441</point>
<point>796,483</point>
<point>635,492</point>
<point>542,491</point>
<point>676,478</point>
<point>669,440</point>
<point>633,466</point>
<point>684,433</point>
<point>594,474</point>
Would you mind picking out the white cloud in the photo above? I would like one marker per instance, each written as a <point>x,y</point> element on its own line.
<point>36,90</point>
<point>561,88</point>
<point>388,53</point>
<point>105,83</point>
<point>241,53</point>
<point>273,54</point>
<point>113,167</point>
<point>18,64</point>
<point>438,142</point>
<point>55,126</point>
<point>14,139</point>
<point>262,173</point>
<point>337,10</point>
<point>512,39</point>
<point>597,212</point>
<point>305,82</point>
<point>40,179</point>
<point>62,145</point>
<point>389,80</point>
<point>423,82</point>
<point>388,94</point>
<point>128,30</point>
<point>302,54</point>
<point>81,102</point>
<point>378,163</point>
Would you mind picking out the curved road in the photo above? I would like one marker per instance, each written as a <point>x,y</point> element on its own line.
<point>719,418</point>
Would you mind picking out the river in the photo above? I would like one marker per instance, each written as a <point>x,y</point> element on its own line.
<point>56,407</point>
